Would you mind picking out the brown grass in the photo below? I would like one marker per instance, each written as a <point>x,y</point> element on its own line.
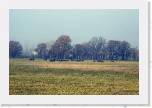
<point>117,66</point>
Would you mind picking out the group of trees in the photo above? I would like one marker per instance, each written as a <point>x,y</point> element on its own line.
<point>97,49</point>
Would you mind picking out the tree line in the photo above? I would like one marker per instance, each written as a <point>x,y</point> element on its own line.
<point>97,49</point>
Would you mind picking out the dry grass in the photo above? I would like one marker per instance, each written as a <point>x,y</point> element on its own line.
<point>73,78</point>
<point>118,66</point>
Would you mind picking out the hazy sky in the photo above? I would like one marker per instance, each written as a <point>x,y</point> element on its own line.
<point>31,27</point>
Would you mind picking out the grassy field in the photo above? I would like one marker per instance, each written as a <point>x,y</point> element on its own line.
<point>73,78</point>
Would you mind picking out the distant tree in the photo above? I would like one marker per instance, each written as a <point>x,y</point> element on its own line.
<point>78,51</point>
<point>113,48</point>
<point>101,52</point>
<point>134,54</point>
<point>15,49</point>
<point>124,50</point>
<point>86,51</point>
<point>97,49</point>
<point>42,51</point>
<point>70,54</point>
<point>61,46</point>
<point>97,46</point>
<point>93,47</point>
<point>118,50</point>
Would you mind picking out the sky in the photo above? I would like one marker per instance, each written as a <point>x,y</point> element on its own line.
<point>30,27</point>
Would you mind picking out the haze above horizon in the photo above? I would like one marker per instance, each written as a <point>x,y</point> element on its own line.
<point>31,27</point>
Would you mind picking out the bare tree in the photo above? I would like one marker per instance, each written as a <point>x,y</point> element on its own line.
<point>42,51</point>
<point>15,49</point>
<point>78,51</point>
<point>134,54</point>
<point>124,50</point>
<point>61,46</point>
<point>113,48</point>
<point>97,49</point>
<point>97,46</point>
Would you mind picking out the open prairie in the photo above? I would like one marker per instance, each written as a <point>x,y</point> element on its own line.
<point>41,77</point>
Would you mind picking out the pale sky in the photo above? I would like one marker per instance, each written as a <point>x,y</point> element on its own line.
<point>31,27</point>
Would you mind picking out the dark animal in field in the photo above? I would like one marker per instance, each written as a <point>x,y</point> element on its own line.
<point>64,59</point>
<point>31,59</point>
<point>52,60</point>
<point>100,60</point>
<point>112,61</point>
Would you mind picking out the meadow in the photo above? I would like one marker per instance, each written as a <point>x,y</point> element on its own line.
<point>41,77</point>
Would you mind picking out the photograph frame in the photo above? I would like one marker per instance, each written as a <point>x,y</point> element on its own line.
<point>141,99</point>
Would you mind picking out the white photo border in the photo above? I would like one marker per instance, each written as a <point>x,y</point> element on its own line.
<point>141,99</point>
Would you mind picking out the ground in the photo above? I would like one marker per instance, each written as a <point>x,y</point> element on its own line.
<point>41,77</point>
